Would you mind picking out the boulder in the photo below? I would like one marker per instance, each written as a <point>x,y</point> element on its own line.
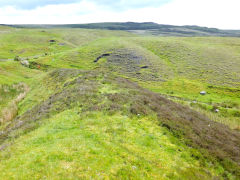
<point>25,63</point>
<point>203,92</point>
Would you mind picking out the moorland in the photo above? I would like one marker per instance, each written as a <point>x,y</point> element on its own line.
<point>114,103</point>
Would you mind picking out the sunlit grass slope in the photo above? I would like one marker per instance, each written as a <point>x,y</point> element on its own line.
<point>214,60</point>
<point>179,67</point>
<point>33,42</point>
<point>69,146</point>
<point>87,120</point>
<point>84,127</point>
<point>201,64</point>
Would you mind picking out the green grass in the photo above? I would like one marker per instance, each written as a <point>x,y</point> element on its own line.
<point>199,64</point>
<point>226,99</point>
<point>26,43</point>
<point>7,93</point>
<point>32,42</point>
<point>73,143</point>
<point>12,72</point>
<point>213,60</point>
<point>84,133</point>
<point>99,146</point>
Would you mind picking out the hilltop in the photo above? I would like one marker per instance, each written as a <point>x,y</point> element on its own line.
<point>147,28</point>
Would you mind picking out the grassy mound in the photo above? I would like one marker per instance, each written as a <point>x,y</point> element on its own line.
<point>80,101</point>
<point>84,118</point>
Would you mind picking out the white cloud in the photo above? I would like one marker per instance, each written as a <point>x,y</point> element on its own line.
<point>113,4</point>
<point>63,13</point>
<point>211,13</point>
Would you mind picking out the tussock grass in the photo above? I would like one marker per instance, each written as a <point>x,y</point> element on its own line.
<point>95,97</point>
<point>83,119</point>
<point>213,60</point>
<point>92,116</point>
<point>9,112</point>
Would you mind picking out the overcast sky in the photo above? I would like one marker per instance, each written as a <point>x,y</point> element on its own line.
<point>211,13</point>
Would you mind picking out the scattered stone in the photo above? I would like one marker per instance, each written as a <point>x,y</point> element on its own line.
<point>35,57</point>
<point>134,167</point>
<point>216,110</point>
<point>61,44</point>
<point>25,63</point>
<point>203,92</point>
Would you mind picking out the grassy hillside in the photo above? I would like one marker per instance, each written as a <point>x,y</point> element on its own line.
<point>99,104</point>
<point>177,67</point>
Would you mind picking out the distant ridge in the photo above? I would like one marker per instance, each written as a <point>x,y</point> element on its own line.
<point>145,28</point>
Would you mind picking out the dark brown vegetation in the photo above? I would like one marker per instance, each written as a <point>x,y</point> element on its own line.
<point>39,66</point>
<point>216,142</point>
<point>130,62</point>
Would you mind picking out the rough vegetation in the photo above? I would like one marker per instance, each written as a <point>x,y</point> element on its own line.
<point>135,113</point>
<point>130,62</point>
